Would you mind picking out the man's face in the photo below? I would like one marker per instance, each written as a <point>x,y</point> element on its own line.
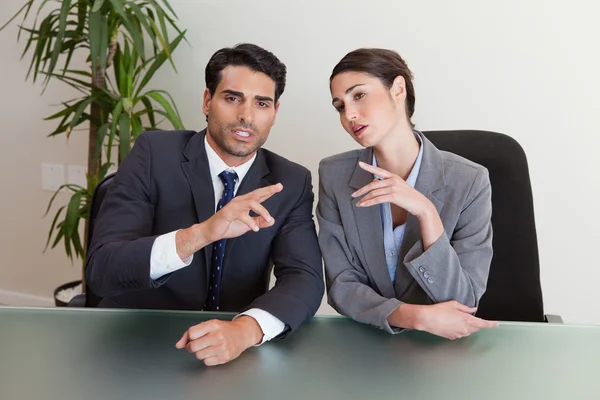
<point>240,113</point>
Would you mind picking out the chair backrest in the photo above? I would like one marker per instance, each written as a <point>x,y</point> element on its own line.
<point>513,290</point>
<point>91,300</point>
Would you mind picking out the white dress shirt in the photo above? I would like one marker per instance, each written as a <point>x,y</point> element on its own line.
<point>165,260</point>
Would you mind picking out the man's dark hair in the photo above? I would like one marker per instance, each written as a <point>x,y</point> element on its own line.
<point>246,55</point>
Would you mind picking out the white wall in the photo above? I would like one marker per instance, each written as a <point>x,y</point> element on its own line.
<point>527,69</point>
<point>27,276</point>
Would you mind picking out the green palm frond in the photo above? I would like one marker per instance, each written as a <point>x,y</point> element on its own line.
<point>124,42</point>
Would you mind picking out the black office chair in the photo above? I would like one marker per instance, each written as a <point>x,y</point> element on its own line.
<point>513,290</point>
<point>90,299</point>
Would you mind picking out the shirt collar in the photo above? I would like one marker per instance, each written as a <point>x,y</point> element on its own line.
<point>217,165</point>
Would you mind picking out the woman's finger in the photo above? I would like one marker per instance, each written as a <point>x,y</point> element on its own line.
<point>375,193</point>
<point>376,200</point>
<point>376,184</point>
<point>375,170</point>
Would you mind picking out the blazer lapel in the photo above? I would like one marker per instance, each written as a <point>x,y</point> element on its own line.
<point>431,178</point>
<point>197,172</point>
<point>370,229</point>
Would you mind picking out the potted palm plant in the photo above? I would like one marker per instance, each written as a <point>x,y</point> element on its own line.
<point>108,51</point>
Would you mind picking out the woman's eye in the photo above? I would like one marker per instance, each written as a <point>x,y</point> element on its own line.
<point>340,108</point>
<point>359,96</point>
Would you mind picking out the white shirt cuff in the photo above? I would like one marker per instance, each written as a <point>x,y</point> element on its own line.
<point>270,325</point>
<point>164,258</point>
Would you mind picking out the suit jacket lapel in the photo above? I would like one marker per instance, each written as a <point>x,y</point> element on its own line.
<point>197,172</point>
<point>431,179</point>
<point>370,230</point>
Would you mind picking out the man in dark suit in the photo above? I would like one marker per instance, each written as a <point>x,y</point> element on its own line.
<point>174,229</point>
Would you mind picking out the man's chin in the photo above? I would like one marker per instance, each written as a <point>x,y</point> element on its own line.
<point>241,151</point>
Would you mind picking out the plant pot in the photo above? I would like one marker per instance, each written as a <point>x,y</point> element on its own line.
<point>68,287</point>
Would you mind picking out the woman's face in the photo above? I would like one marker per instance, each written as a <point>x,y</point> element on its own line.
<point>368,110</point>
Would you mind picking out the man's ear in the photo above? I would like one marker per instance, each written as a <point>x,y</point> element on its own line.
<point>276,110</point>
<point>206,102</point>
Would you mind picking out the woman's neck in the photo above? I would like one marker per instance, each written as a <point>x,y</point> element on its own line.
<point>398,151</point>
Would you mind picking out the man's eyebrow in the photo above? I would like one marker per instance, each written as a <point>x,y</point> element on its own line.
<point>263,98</point>
<point>233,92</point>
<point>241,94</point>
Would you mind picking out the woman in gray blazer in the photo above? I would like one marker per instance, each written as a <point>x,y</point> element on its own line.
<point>404,228</point>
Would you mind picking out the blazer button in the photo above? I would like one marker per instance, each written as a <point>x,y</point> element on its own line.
<point>421,269</point>
<point>430,280</point>
<point>426,275</point>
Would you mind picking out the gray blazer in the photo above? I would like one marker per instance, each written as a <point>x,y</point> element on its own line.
<point>455,267</point>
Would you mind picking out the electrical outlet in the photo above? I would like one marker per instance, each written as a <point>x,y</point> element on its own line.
<point>53,176</point>
<point>76,175</point>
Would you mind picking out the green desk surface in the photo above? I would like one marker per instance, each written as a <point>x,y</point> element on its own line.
<point>89,354</point>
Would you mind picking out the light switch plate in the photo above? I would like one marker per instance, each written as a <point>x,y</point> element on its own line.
<point>76,175</point>
<point>53,176</point>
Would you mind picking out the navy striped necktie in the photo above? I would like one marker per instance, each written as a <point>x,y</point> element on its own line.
<point>229,179</point>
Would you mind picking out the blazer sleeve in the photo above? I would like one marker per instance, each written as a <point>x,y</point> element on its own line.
<point>118,259</point>
<point>457,267</point>
<point>298,268</point>
<point>348,289</point>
